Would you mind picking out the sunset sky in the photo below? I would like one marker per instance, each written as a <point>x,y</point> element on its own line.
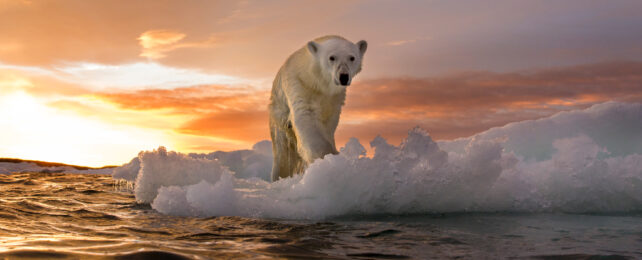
<point>95,82</point>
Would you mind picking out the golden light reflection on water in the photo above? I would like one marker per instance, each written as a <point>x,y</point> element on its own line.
<point>53,215</point>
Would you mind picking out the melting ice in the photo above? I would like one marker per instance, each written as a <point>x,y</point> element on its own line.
<point>579,161</point>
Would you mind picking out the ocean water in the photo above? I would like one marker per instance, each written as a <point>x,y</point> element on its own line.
<point>60,215</point>
<point>568,186</point>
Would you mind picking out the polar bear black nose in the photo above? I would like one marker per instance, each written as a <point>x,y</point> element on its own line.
<point>344,78</point>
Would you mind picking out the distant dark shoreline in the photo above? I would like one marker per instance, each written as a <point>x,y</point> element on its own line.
<point>54,164</point>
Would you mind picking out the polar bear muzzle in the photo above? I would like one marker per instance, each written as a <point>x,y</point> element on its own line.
<point>344,79</point>
<point>342,75</point>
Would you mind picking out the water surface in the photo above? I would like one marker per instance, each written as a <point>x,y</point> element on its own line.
<point>60,215</point>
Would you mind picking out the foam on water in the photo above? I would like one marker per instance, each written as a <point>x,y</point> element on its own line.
<point>580,161</point>
<point>161,168</point>
<point>128,171</point>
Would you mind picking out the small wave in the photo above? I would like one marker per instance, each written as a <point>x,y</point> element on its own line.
<point>581,256</point>
<point>50,254</point>
<point>151,255</point>
<point>88,214</point>
<point>370,255</point>
<point>386,232</point>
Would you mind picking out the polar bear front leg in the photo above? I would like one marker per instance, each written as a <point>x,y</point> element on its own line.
<point>286,160</point>
<point>312,142</point>
<point>280,163</point>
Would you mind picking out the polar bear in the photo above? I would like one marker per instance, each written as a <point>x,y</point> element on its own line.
<point>307,95</point>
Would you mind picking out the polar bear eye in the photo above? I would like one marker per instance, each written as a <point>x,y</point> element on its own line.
<point>351,58</point>
<point>331,58</point>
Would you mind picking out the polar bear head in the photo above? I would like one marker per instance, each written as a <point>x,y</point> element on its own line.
<point>338,58</point>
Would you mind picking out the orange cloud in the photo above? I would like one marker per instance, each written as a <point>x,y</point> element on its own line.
<point>156,43</point>
<point>189,100</point>
<point>35,83</point>
<point>407,41</point>
<point>471,91</point>
<point>214,111</point>
<point>248,125</point>
<point>157,38</point>
<point>399,43</point>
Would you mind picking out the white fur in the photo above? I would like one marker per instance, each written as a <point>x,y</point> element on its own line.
<point>306,102</point>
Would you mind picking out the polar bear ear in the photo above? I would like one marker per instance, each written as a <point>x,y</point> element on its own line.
<point>313,47</point>
<point>363,45</point>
